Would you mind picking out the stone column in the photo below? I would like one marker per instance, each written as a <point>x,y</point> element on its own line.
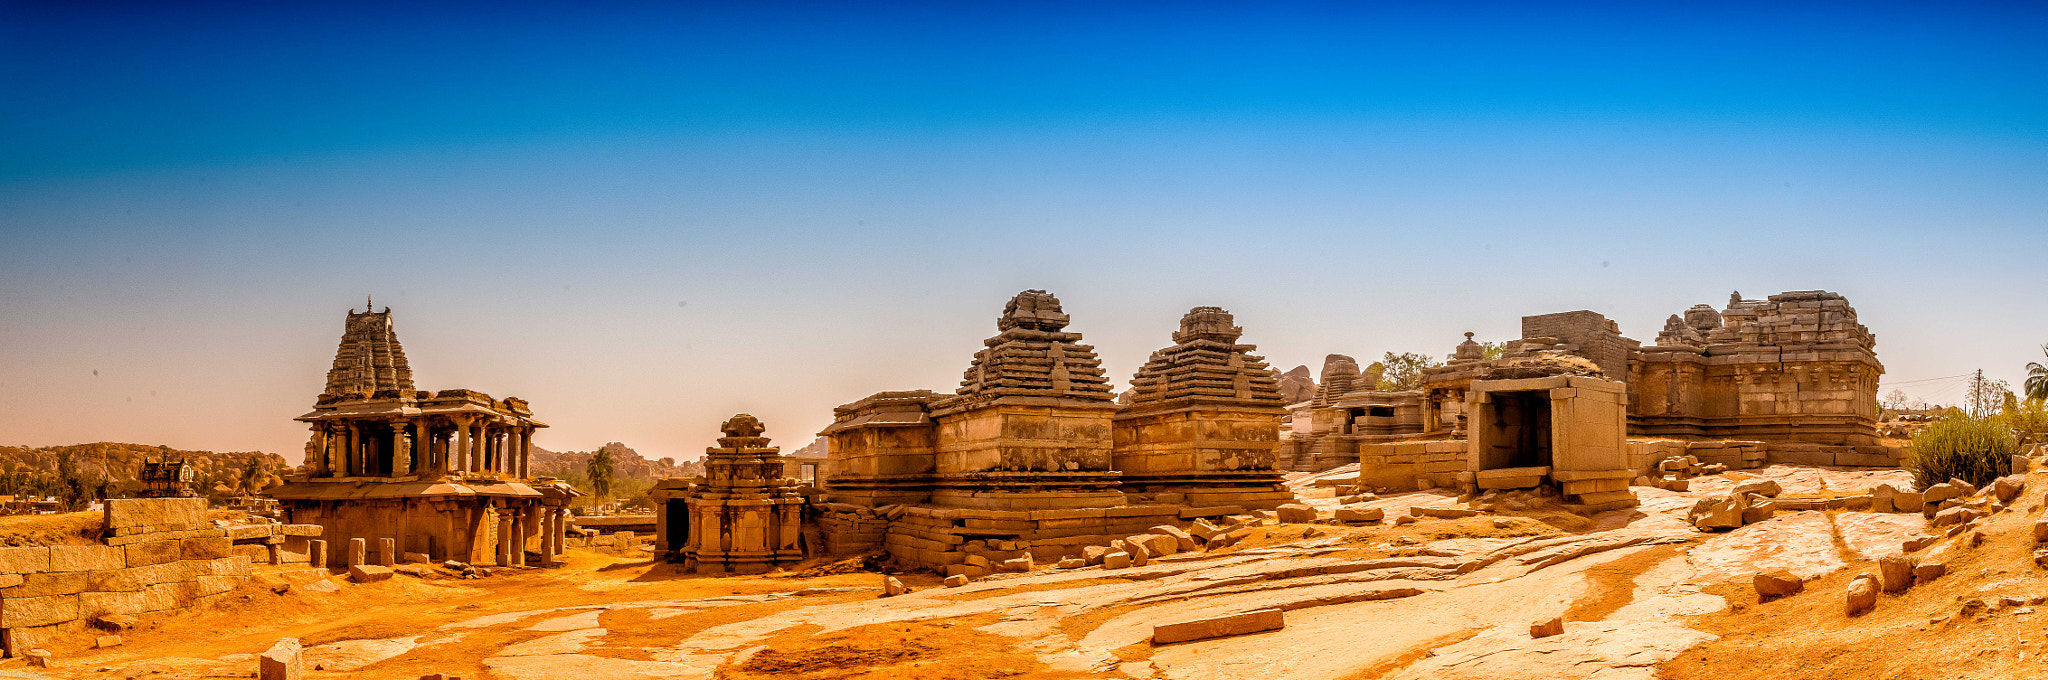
<point>476,450</point>
<point>525,452</point>
<point>551,530</point>
<point>460,455</point>
<point>422,446</point>
<point>401,451</point>
<point>317,458</point>
<point>519,536</point>
<point>505,537</point>
<point>351,457</point>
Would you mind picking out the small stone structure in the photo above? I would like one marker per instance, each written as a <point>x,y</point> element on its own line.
<point>157,554</point>
<point>443,474</point>
<point>744,517</point>
<point>1795,367</point>
<point>1566,430</point>
<point>1204,420</point>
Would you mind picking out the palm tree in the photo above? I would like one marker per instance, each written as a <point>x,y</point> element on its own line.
<point>2037,379</point>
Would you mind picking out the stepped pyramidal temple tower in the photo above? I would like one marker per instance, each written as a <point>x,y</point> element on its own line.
<point>1204,420</point>
<point>370,358</point>
<point>434,475</point>
<point>1029,426</point>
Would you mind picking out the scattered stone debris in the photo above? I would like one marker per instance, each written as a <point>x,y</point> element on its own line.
<point>1544,629</point>
<point>1862,595</point>
<point>1776,584</point>
<point>285,660</point>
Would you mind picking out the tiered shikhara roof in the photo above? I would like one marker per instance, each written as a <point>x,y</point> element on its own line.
<point>370,360</point>
<point>1206,363</point>
<point>1034,356</point>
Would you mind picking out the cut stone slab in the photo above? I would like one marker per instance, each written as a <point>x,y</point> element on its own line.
<point>285,660</point>
<point>369,573</point>
<point>1221,626</point>
<point>1544,629</point>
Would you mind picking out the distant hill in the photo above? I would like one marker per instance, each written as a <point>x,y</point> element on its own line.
<point>626,463</point>
<point>213,473</point>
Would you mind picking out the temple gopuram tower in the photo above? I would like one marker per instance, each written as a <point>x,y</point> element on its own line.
<point>437,474</point>
<point>744,517</point>
<point>1029,428</point>
<point>1204,420</point>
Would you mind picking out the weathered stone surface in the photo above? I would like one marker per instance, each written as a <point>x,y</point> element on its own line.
<point>1956,515</point>
<point>1360,515</point>
<point>285,660</point>
<point>956,580</point>
<point>892,587</point>
<point>1093,554</point>
<point>24,560</point>
<point>205,548</point>
<point>124,513</point>
<point>1939,492</point>
<point>1296,513</point>
<point>28,612</point>
<point>1716,513</point>
<point>87,558</point>
<point>1928,570</point>
<point>152,552</point>
<point>1776,584</point>
<point>1907,501</point>
<point>1441,513</point>
<point>1071,563</point>
<point>1221,626</point>
<point>1862,595</point>
<point>2007,488</point>
<point>1544,629</point>
<point>1017,565</point>
<point>1116,560</point>
<point>1758,487</point>
<point>369,573</point>
<point>1182,540</point>
<point>105,641</point>
<point>1895,573</point>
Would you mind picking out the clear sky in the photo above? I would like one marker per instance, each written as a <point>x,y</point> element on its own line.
<point>646,218</point>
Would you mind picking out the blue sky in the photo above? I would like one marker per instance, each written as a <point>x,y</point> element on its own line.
<point>645,218</point>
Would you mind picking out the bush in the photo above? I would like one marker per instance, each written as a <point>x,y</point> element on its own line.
<point>1970,449</point>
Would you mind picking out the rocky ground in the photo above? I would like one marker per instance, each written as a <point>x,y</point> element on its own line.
<point>1640,592</point>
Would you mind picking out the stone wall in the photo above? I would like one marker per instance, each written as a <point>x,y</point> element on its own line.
<point>158,554</point>
<point>1643,456</point>
<point>1593,336</point>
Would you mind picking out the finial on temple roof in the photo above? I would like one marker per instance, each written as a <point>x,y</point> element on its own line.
<point>367,307</point>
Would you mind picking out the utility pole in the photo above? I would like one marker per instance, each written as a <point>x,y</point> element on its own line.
<point>1977,394</point>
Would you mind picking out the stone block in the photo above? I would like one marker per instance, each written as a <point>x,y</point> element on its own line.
<point>1544,629</point>
<point>105,641</point>
<point>1861,596</point>
<point>1221,626</point>
<point>301,529</point>
<point>99,604</point>
<point>87,558</point>
<point>124,513</point>
<point>1116,560</point>
<point>1928,570</point>
<point>1895,573</point>
<point>29,612</point>
<point>369,573</point>
<point>956,581</point>
<point>152,552</point>
<point>205,548</point>
<point>316,553</point>
<point>163,596</point>
<point>248,532</point>
<point>214,585</point>
<point>1296,513</point>
<point>1442,513</point>
<point>1907,501</point>
<point>47,583</point>
<point>1758,487</point>
<point>416,558</point>
<point>1360,515</point>
<point>1182,540</point>
<point>1776,584</point>
<point>283,661</point>
<point>24,560</point>
<point>387,552</point>
<point>358,551</point>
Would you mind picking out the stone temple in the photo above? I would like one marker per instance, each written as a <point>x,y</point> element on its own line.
<point>433,475</point>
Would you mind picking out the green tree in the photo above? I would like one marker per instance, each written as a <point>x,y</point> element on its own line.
<point>253,474</point>
<point>1492,350</point>
<point>1404,371</point>
<point>2036,385</point>
<point>600,471</point>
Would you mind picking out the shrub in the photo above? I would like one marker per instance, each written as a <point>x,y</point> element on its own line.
<point>1970,449</point>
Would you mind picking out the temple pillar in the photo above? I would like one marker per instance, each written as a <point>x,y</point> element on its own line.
<point>505,537</point>
<point>476,449</point>
<point>401,451</point>
<point>460,455</point>
<point>519,536</point>
<point>354,465</point>
<point>560,530</point>
<point>526,452</point>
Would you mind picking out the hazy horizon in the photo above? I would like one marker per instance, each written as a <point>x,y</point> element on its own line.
<point>647,219</point>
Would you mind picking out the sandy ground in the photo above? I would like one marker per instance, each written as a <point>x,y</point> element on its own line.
<point>1643,596</point>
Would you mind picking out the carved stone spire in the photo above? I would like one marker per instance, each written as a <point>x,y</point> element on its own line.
<point>370,358</point>
<point>1034,356</point>
<point>1206,362</point>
